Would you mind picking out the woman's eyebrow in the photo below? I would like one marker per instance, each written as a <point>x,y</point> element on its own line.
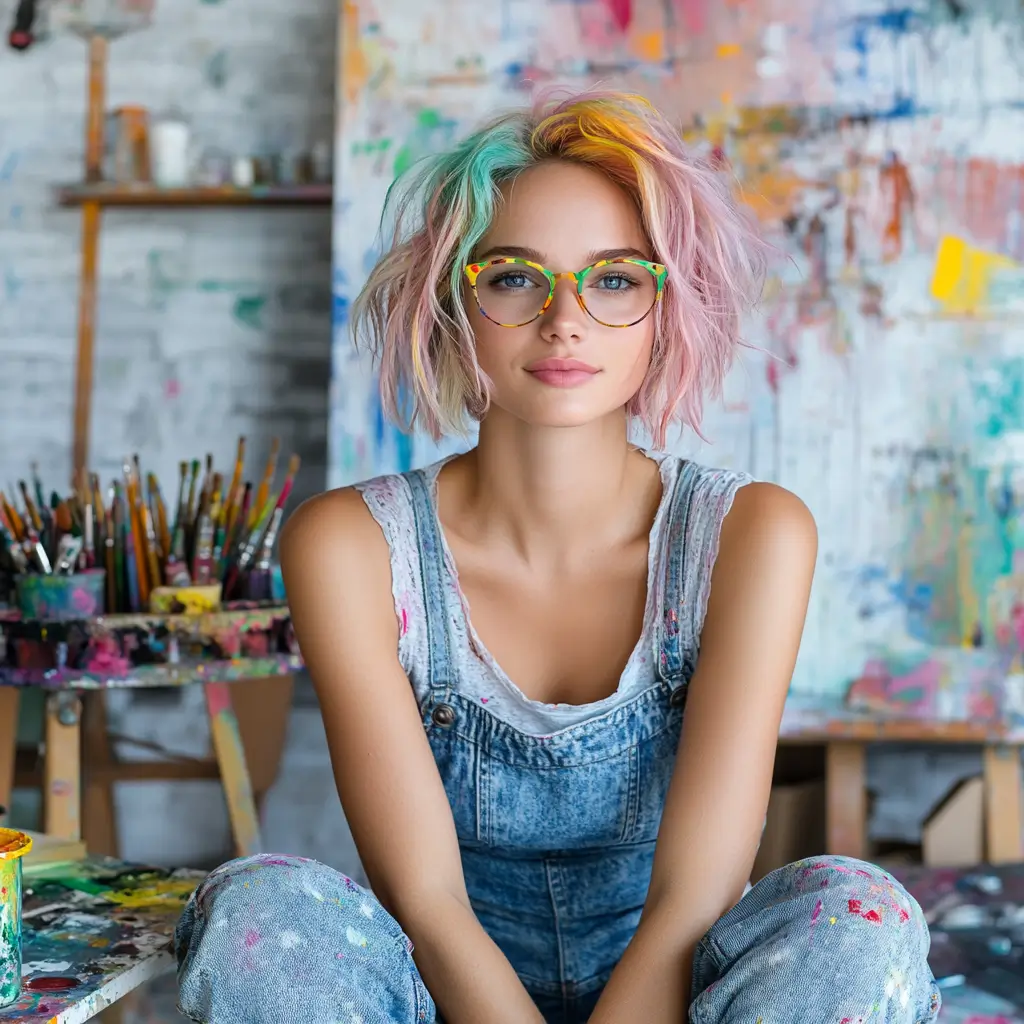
<point>525,253</point>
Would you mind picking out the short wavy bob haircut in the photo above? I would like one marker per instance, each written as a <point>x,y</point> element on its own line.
<point>411,311</point>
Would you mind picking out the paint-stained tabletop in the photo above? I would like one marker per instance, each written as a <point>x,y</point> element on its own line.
<point>94,931</point>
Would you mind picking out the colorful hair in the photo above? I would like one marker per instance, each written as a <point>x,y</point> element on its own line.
<point>410,311</point>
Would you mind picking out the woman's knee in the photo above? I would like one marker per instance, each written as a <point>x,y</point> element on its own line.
<point>854,889</point>
<point>834,917</point>
<point>286,926</point>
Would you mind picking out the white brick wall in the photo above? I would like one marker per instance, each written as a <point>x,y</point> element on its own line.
<point>178,371</point>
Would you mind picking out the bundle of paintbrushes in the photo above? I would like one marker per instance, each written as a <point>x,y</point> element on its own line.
<point>38,536</point>
<point>218,534</point>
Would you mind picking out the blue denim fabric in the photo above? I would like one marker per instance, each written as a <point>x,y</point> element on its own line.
<point>557,837</point>
<point>276,940</point>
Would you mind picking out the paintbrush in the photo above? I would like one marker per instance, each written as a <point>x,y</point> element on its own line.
<point>108,556</point>
<point>14,549</point>
<point>152,551</point>
<point>202,562</point>
<point>233,541</point>
<point>270,537</point>
<point>263,492</point>
<point>16,526</point>
<point>119,530</point>
<point>269,522</point>
<point>190,508</point>
<point>230,504</point>
<point>136,549</point>
<point>30,507</point>
<point>98,509</point>
<point>37,483</point>
<point>159,512</point>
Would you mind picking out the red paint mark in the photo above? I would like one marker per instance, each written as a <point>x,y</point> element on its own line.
<point>172,389</point>
<point>218,698</point>
<point>898,195</point>
<point>853,906</point>
<point>814,920</point>
<point>251,938</point>
<point>904,915</point>
<point>621,12</point>
<point>405,622</point>
<point>694,14</point>
<point>51,983</point>
<point>873,916</point>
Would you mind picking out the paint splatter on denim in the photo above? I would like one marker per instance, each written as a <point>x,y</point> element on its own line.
<point>557,836</point>
<point>268,940</point>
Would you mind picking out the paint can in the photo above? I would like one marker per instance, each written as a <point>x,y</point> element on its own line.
<point>48,598</point>
<point>13,846</point>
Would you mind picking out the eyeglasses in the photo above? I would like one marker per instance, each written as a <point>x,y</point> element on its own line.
<point>514,292</point>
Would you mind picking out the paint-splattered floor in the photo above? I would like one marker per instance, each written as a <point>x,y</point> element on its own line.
<point>977,922</point>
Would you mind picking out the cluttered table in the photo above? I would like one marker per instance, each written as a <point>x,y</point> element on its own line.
<point>123,591</point>
<point>94,931</point>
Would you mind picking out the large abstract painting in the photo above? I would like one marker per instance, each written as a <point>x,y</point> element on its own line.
<point>882,147</point>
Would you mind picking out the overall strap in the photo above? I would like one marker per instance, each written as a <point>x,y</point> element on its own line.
<point>432,582</point>
<point>674,649</point>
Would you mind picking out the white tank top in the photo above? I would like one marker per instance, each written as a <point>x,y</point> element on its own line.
<point>480,678</point>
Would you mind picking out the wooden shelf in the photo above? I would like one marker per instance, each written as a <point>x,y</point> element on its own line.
<point>113,194</point>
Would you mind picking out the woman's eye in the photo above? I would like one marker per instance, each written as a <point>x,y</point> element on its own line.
<point>514,281</point>
<point>615,282</point>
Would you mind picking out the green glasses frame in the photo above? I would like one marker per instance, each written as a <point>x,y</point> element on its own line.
<point>658,270</point>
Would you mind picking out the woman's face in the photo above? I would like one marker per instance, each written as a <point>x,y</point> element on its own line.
<point>565,368</point>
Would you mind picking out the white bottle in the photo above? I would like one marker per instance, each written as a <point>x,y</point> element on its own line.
<point>169,147</point>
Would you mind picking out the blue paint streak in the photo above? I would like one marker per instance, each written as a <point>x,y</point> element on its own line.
<point>8,167</point>
<point>340,309</point>
<point>895,22</point>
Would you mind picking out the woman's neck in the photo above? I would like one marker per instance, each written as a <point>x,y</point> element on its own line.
<point>555,495</point>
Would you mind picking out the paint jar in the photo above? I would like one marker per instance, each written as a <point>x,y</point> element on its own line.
<point>13,846</point>
<point>191,600</point>
<point>170,149</point>
<point>62,598</point>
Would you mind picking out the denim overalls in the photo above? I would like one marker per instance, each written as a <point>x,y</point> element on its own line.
<point>557,835</point>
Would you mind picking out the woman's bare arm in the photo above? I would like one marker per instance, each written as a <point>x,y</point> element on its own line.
<point>338,578</point>
<point>715,808</point>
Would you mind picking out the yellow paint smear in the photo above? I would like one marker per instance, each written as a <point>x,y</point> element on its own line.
<point>725,50</point>
<point>650,46</point>
<point>354,66</point>
<point>962,275</point>
<point>172,890</point>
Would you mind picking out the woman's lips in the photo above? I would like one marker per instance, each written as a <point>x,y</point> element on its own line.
<point>562,373</point>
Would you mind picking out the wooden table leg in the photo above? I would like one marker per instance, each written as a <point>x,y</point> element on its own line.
<point>10,699</point>
<point>1002,804</point>
<point>846,801</point>
<point>62,783</point>
<point>234,772</point>
<point>99,813</point>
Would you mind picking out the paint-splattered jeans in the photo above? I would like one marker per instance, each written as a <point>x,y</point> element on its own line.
<point>279,940</point>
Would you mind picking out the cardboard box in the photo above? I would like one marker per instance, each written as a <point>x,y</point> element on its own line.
<point>795,826</point>
<point>953,835</point>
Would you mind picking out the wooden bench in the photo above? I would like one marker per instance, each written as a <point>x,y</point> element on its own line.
<point>846,738</point>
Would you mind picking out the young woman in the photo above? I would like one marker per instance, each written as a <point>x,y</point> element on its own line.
<point>503,643</point>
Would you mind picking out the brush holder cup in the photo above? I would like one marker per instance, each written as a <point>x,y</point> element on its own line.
<point>13,847</point>
<point>61,598</point>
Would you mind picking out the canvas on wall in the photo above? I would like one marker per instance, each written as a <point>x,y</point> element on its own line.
<point>882,148</point>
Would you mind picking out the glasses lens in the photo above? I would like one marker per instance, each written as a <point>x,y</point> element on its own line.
<point>619,294</point>
<point>511,293</point>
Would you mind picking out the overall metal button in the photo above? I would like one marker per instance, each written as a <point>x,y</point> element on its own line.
<point>443,714</point>
<point>678,698</point>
